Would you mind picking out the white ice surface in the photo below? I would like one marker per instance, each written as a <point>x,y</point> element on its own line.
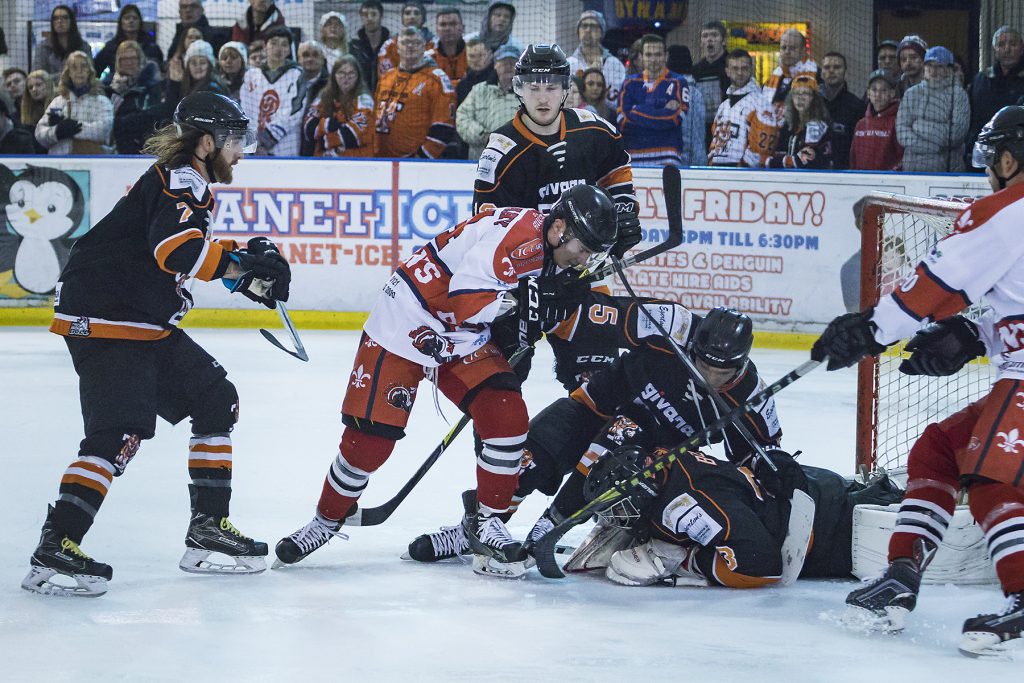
<point>353,611</point>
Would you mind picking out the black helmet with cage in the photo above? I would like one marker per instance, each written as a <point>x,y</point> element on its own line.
<point>589,215</point>
<point>723,339</point>
<point>219,116</point>
<point>1003,133</point>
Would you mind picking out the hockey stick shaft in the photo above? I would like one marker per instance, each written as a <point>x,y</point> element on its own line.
<point>544,550</point>
<point>300,350</point>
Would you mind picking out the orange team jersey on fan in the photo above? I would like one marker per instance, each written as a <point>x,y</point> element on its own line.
<point>764,124</point>
<point>387,56</point>
<point>439,304</point>
<point>415,112</point>
<point>983,256</point>
<point>455,66</point>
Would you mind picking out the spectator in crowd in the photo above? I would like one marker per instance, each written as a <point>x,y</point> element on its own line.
<point>595,93</point>
<point>635,63</point>
<point>257,54</point>
<point>134,88</point>
<point>314,69</point>
<point>14,84</point>
<point>767,119</point>
<point>933,118</point>
<point>911,59</point>
<point>64,39</point>
<point>259,17</point>
<point>875,147</point>
<point>340,121</point>
<point>496,27</point>
<point>415,103</point>
<point>39,88</point>
<point>844,108</point>
<point>450,49</point>
<point>887,58</point>
<point>479,68</point>
<point>709,72</point>
<point>176,59</point>
<point>192,15</point>
<point>79,118</point>
<point>414,15</point>
<point>805,139</point>
<point>591,54</point>
<point>129,27</point>
<point>1002,83</point>
<point>232,60</point>
<point>652,106</point>
<point>274,97</point>
<point>489,105</point>
<point>369,39</point>
<point>199,74</point>
<point>574,100</point>
<point>333,37</point>
<point>14,139</point>
<point>732,120</point>
<point>694,150</point>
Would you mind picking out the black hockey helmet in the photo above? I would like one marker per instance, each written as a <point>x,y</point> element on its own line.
<point>542,64</point>
<point>1005,131</point>
<point>723,339</point>
<point>219,116</point>
<point>589,214</point>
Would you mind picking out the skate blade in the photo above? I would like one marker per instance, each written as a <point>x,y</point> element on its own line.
<point>864,620</point>
<point>485,565</point>
<point>462,559</point>
<point>988,646</point>
<point>196,561</point>
<point>38,581</point>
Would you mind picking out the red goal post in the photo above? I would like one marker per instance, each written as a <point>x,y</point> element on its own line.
<point>897,232</point>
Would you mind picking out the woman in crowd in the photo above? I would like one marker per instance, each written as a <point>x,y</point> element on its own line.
<point>134,89</point>
<point>341,121</point>
<point>79,119</point>
<point>176,61</point>
<point>38,93</point>
<point>64,39</point>
<point>129,27</point>
<point>257,54</point>
<point>805,140</point>
<point>874,146</point>
<point>233,60</point>
<point>595,92</point>
<point>333,37</point>
<point>199,73</point>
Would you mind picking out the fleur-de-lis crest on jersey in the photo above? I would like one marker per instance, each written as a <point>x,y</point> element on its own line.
<point>359,377</point>
<point>1011,440</point>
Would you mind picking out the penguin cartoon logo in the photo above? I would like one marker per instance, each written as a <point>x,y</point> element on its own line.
<point>44,206</point>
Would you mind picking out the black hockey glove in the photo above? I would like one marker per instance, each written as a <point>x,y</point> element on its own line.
<point>847,340</point>
<point>627,224</point>
<point>779,484</point>
<point>943,348</point>
<point>67,128</point>
<point>547,300</point>
<point>267,275</point>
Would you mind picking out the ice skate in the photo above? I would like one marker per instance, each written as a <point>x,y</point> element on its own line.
<point>446,544</point>
<point>60,556</point>
<point>883,604</point>
<point>208,535</point>
<point>995,636</point>
<point>297,546</point>
<point>495,552</point>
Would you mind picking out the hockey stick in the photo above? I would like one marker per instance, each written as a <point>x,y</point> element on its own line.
<point>685,358</point>
<point>544,549</point>
<point>672,185</point>
<point>300,350</point>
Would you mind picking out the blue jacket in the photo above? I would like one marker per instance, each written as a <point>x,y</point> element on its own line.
<point>651,131</point>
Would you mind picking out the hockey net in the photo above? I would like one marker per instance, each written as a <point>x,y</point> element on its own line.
<point>897,232</point>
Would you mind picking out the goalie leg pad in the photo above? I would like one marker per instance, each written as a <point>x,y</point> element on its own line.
<point>596,550</point>
<point>645,564</point>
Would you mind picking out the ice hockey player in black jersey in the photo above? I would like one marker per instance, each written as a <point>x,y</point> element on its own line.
<point>117,305</point>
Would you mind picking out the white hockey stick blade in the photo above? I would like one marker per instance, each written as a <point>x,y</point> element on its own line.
<point>798,538</point>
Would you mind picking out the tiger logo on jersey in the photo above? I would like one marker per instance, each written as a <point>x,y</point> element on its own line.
<point>428,342</point>
<point>401,397</point>
<point>269,104</point>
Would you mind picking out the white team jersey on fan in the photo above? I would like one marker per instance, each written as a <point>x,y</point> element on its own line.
<point>438,305</point>
<point>276,106</point>
<point>983,257</point>
<point>731,126</point>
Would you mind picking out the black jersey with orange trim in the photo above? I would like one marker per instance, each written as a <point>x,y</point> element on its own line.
<point>520,168</point>
<point>127,278</point>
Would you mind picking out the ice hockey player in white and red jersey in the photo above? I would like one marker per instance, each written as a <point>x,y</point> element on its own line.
<point>433,320</point>
<point>980,447</point>
<point>274,96</point>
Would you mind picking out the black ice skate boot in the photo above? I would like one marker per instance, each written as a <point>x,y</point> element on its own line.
<point>208,535</point>
<point>317,533</point>
<point>57,554</point>
<point>448,543</point>
<point>995,635</point>
<point>495,552</point>
<point>883,604</point>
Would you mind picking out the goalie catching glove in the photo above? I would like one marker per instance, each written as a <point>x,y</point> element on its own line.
<point>943,348</point>
<point>266,275</point>
<point>847,340</point>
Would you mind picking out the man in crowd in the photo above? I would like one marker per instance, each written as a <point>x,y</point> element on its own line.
<point>1001,84</point>
<point>479,68</point>
<point>192,14</point>
<point>933,118</point>
<point>414,15</point>
<point>415,103</point>
<point>496,27</point>
<point>14,84</point>
<point>732,120</point>
<point>314,68</point>
<point>257,21</point>
<point>910,55</point>
<point>886,57</point>
<point>369,39</point>
<point>450,50</point>
<point>709,72</point>
<point>591,54</point>
<point>274,96</point>
<point>652,106</point>
<point>489,105</point>
<point>844,108</point>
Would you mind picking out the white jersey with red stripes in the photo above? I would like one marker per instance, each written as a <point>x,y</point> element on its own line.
<point>983,257</point>
<point>439,303</point>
